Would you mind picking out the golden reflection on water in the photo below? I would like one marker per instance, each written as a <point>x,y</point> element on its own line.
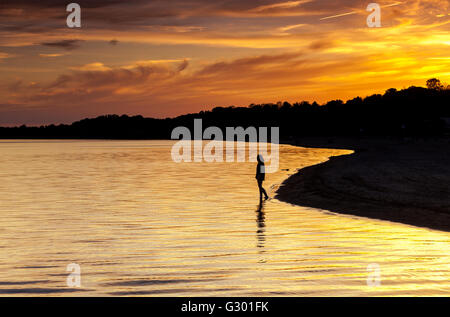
<point>139,224</point>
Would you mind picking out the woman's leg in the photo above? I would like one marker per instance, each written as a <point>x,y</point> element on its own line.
<point>262,191</point>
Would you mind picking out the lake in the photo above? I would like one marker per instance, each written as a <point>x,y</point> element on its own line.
<point>138,223</point>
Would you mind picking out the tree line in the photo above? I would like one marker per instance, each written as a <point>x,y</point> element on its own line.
<point>414,111</point>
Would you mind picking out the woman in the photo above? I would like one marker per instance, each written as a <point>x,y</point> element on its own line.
<point>260,176</point>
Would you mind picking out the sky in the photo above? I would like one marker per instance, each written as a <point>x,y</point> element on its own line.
<point>164,58</point>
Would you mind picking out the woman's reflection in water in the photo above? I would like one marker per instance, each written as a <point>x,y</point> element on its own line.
<point>261,226</point>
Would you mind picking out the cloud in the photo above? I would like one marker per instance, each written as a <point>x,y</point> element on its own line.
<point>290,27</point>
<point>65,44</point>
<point>279,5</point>
<point>113,14</point>
<point>97,77</point>
<point>4,55</point>
<point>91,67</point>
<point>96,85</point>
<point>51,55</point>
<point>236,23</point>
<point>247,64</point>
<point>321,45</point>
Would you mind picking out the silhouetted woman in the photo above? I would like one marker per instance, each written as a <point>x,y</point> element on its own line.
<point>260,176</point>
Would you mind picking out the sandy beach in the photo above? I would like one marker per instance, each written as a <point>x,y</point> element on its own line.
<point>399,180</point>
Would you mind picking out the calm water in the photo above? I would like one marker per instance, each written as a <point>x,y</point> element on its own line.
<point>139,224</point>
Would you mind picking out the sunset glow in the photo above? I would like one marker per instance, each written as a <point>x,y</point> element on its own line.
<point>166,58</point>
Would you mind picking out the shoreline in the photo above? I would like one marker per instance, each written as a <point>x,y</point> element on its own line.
<point>405,181</point>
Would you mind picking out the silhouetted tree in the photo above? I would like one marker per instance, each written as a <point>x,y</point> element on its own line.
<point>435,84</point>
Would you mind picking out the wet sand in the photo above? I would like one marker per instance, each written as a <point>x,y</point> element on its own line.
<point>406,181</point>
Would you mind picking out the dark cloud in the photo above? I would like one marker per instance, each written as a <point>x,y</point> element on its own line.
<point>148,15</point>
<point>116,77</point>
<point>61,3</point>
<point>65,44</point>
<point>50,15</point>
<point>248,64</point>
<point>133,11</point>
<point>320,45</point>
<point>183,66</point>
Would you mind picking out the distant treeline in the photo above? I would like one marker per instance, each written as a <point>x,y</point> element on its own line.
<point>414,111</point>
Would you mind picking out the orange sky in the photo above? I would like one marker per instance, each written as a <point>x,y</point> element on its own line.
<point>165,58</point>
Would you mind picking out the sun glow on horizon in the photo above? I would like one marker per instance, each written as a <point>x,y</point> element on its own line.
<point>165,60</point>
